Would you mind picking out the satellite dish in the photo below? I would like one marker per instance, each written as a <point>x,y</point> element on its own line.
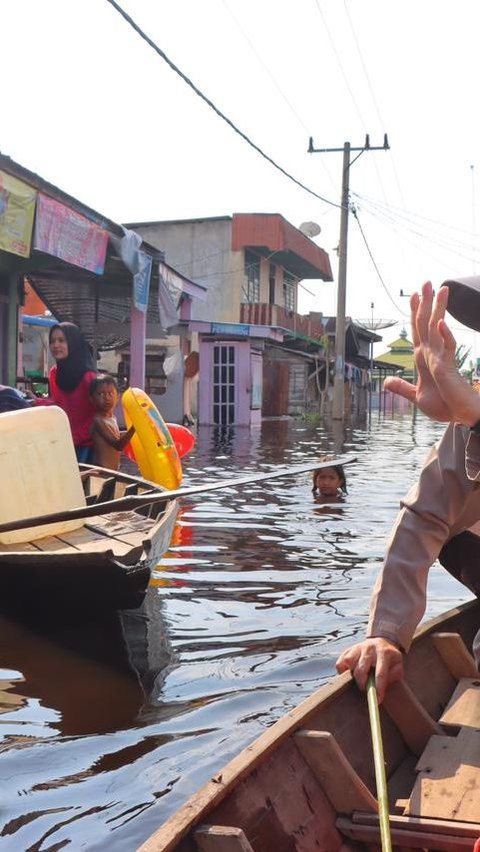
<point>310,229</point>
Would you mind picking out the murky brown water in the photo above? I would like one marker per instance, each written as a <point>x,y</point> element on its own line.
<point>107,726</point>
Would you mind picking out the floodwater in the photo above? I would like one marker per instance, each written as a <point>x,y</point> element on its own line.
<point>107,725</point>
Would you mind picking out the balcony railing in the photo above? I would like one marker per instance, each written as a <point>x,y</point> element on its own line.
<point>261,313</point>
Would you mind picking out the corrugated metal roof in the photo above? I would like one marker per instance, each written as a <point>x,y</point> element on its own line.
<point>75,294</point>
<point>405,360</point>
<point>91,302</point>
<point>401,344</point>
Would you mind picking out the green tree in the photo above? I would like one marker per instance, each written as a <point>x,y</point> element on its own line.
<point>461,355</point>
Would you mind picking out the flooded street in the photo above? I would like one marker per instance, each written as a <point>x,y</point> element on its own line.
<point>108,724</point>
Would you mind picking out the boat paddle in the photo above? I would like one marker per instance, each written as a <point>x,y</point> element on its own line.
<point>135,501</point>
<point>379,763</point>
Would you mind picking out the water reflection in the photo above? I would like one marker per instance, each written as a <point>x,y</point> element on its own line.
<point>107,725</point>
<point>62,663</point>
<point>329,506</point>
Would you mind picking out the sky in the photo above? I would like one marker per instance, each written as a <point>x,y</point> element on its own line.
<point>88,105</point>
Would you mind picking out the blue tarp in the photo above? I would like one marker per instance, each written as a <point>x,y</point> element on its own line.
<point>45,321</point>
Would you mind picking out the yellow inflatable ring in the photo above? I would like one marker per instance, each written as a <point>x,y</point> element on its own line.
<point>152,444</point>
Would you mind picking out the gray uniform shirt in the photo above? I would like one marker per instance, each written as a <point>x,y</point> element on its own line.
<point>444,502</point>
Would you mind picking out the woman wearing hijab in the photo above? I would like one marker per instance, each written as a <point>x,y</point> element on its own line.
<point>69,381</point>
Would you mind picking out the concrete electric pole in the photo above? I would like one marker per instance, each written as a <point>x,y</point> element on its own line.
<point>338,407</point>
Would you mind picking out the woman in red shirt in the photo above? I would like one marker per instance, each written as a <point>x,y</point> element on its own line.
<point>69,381</point>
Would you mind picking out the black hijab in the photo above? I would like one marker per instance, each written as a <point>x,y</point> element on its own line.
<point>70,370</point>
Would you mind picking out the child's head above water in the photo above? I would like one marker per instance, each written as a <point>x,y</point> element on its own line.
<point>104,393</point>
<point>329,481</point>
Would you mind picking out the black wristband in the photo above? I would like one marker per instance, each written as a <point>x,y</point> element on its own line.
<point>475,428</point>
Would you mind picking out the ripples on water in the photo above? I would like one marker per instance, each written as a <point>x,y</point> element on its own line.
<point>106,727</point>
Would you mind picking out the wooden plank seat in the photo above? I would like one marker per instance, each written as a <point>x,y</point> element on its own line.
<point>52,544</point>
<point>99,490</point>
<point>455,655</point>
<point>19,547</point>
<point>221,838</point>
<point>341,784</point>
<point>118,532</point>
<point>443,807</point>
<point>411,719</point>
<point>107,491</point>
<point>126,527</point>
<point>82,539</point>
<point>130,489</point>
<point>448,781</point>
<point>85,539</point>
<point>92,485</point>
<point>463,709</point>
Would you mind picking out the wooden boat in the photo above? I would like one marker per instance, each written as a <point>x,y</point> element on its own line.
<point>308,782</point>
<point>105,563</point>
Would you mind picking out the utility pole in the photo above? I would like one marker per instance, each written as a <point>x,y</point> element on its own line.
<point>372,307</point>
<point>338,407</point>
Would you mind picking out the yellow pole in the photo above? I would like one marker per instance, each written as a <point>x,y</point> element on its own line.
<point>379,763</point>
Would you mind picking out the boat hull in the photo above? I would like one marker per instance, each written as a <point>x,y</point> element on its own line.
<point>106,564</point>
<point>308,782</point>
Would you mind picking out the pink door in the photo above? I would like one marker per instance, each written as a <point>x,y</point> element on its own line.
<point>224,384</point>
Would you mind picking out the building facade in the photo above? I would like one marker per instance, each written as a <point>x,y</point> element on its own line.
<point>256,353</point>
<point>89,270</point>
<point>398,360</point>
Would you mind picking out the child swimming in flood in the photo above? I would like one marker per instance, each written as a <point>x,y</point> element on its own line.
<point>329,481</point>
<point>108,439</point>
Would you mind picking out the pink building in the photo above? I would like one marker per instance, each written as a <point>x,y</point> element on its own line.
<point>257,355</point>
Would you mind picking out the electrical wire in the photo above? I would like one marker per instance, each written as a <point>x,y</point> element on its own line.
<point>264,66</point>
<point>355,214</point>
<point>418,245</point>
<point>408,213</point>
<point>339,62</point>
<point>369,83</point>
<point>275,83</point>
<point>347,84</point>
<point>453,327</point>
<point>446,244</point>
<point>212,106</point>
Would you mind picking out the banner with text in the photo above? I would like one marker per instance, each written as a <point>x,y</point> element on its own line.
<point>17,209</point>
<point>66,234</point>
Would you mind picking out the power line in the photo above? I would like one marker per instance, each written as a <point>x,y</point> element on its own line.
<point>212,106</point>
<point>339,62</point>
<point>446,244</point>
<point>355,214</point>
<point>408,213</point>
<point>362,61</point>
<point>375,103</point>
<point>272,78</point>
<point>264,66</point>
<point>347,84</point>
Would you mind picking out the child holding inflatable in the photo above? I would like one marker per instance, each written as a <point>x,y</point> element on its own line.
<point>108,439</point>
